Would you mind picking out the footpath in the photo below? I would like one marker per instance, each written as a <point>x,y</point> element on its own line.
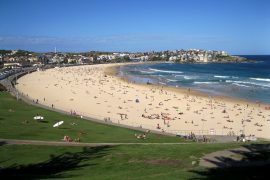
<point>58,143</point>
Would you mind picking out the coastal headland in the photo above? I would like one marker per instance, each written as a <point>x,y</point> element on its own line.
<point>95,91</point>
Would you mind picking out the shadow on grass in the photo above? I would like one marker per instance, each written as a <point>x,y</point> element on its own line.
<point>2,143</point>
<point>55,166</point>
<point>64,128</point>
<point>255,164</point>
<point>43,121</point>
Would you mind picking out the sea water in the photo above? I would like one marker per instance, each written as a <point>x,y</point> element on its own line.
<point>247,80</point>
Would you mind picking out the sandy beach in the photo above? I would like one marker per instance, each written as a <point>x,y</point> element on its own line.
<point>95,91</point>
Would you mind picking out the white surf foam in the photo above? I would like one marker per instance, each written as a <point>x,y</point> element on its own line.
<point>261,79</point>
<point>172,80</point>
<point>147,72</point>
<point>179,75</point>
<point>248,82</point>
<point>242,85</point>
<point>196,82</point>
<point>173,72</point>
<point>186,77</point>
<point>189,77</point>
<point>223,77</point>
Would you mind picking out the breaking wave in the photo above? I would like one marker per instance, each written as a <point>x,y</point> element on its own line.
<point>248,82</point>
<point>196,82</point>
<point>172,80</point>
<point>223,77</point>
<point>261,79</point>
<point>173,72</point>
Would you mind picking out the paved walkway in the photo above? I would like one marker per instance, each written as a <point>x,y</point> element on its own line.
<point>249,155</point>
<point>59,143</point>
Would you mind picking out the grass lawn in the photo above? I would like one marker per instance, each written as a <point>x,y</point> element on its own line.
<point>156,161</point>
<point>116,162</point>
<point>14,115</point>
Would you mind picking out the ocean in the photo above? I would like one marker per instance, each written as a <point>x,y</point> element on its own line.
<point>248,80</point>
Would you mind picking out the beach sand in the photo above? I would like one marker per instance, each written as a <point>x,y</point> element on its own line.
<point>95,91</point>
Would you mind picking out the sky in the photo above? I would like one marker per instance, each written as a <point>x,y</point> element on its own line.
<point>236,26</point>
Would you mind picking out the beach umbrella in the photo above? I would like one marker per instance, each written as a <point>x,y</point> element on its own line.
<point>58,123</point>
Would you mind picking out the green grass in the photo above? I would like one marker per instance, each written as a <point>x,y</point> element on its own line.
<point>14,114</point>
<point>116,162</point>
<point>157,161</point>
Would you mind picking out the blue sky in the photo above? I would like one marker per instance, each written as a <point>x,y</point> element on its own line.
<point>237,26</point>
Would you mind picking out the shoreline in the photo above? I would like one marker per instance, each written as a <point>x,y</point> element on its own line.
<point>114,71</point>
<point>95,91</point>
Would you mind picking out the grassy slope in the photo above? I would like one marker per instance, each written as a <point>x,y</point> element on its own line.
<point>14,113</point>
<point>118,162</point>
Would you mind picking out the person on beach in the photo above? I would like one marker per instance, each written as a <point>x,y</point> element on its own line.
<point>67,138</point>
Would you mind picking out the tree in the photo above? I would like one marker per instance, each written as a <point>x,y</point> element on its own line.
<point>126,58</point>
<point>1,64</point>
<point>5,52</point>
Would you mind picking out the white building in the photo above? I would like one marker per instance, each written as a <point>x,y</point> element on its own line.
<point>144,58</point>
<point>224,53</point>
